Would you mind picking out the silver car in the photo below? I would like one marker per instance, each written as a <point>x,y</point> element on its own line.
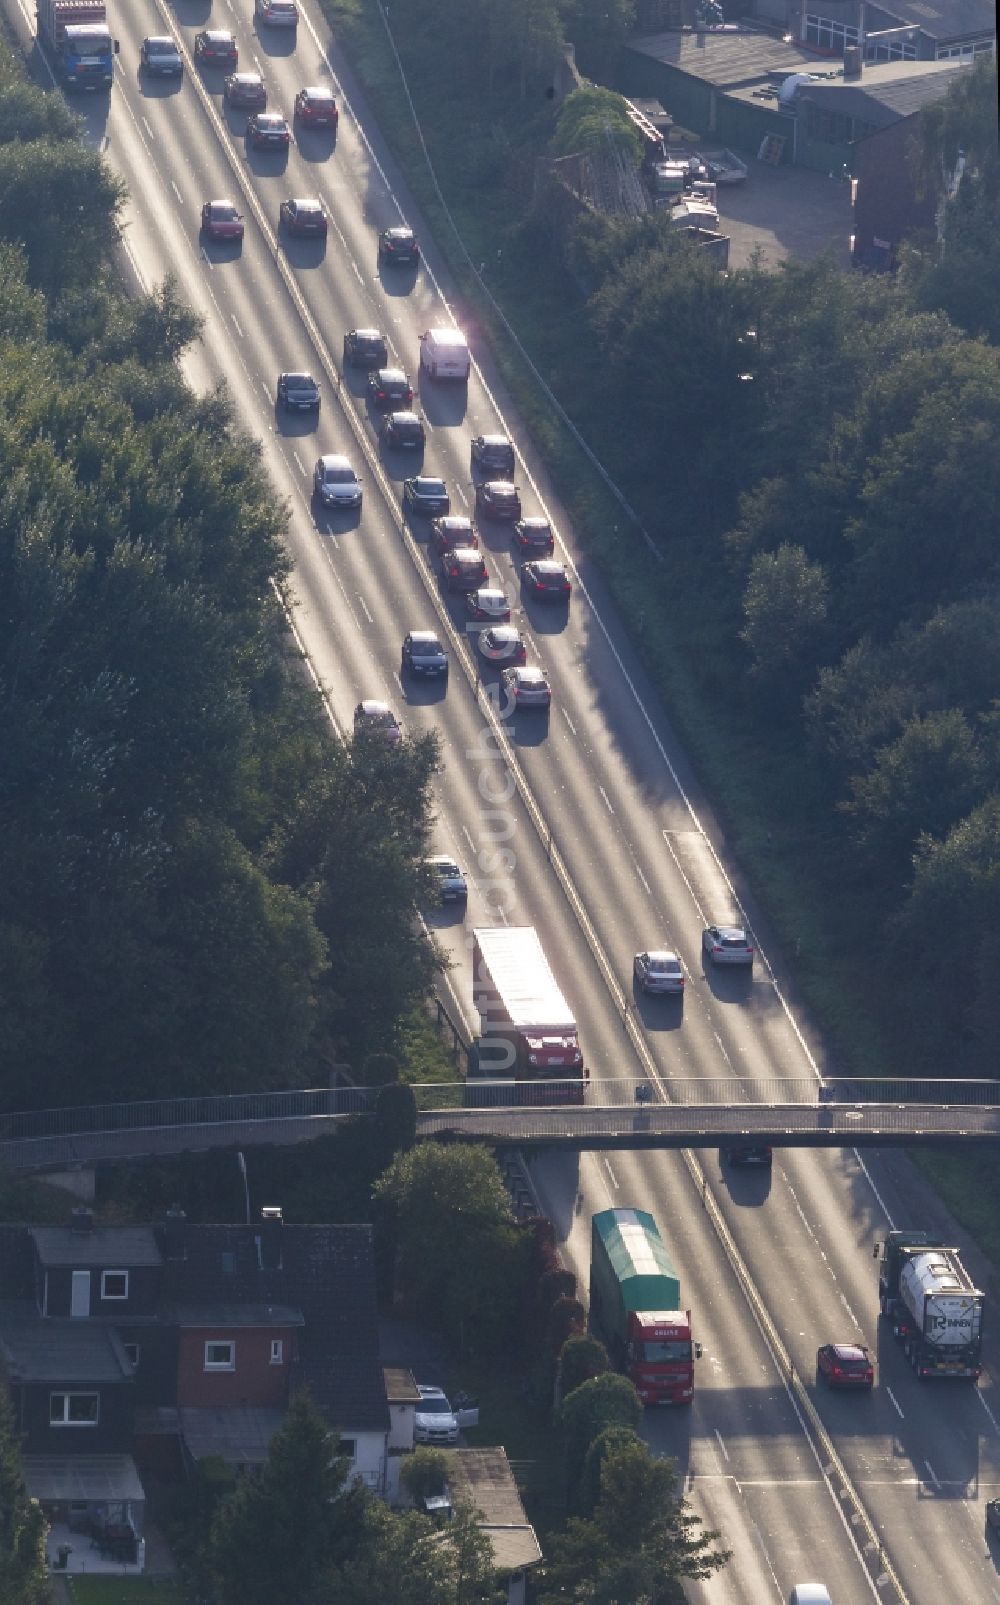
<point>727,944</point>
<point>658,971</point>
<point>335,482</point>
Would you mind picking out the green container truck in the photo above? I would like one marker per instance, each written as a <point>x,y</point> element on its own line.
<point>635,1297</point>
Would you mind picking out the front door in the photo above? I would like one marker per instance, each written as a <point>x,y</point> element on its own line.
<point>79,1302</point>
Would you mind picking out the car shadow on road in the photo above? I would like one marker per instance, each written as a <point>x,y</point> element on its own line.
<point>158,88</point>
<point>331,521</point>
<point>275,42</point>
<point>300,253</point>
<point>663,1011</point>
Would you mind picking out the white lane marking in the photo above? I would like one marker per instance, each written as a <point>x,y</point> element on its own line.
<point>149,131</point>
<point>364,609</point>
<point>568,720</point>
<point>468,836</point>
<point>299,463</point>
<point>645,883</point>
<point>307,660</point>
<point>725,1055</point>
<point>460,493</point>
<point>722,1445</point>
<point>177,192</point>
<point>607,799</point>
<point>933,1474</point>
<point>357,274</point>
<point>614,1178</point>
<point>895,1404</point>
<point>236,325</point>
<point>989,1412</point>
<point>531,642</point>
<point>266,389</point>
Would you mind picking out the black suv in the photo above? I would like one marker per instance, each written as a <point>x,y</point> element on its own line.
<point>398,245</point>
<point>403,429</point>
<point>494,453</point>
<point>389,388</point>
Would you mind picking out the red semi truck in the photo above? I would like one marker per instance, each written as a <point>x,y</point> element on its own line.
<point>634,1299</point>
<point>528,1033</point>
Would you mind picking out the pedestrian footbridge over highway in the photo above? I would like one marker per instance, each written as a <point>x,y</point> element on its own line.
<point>667,1113</point>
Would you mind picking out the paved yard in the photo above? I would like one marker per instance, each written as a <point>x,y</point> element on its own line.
<point>786,212</point>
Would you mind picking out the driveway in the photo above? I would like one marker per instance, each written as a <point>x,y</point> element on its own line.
<point>786,212</point>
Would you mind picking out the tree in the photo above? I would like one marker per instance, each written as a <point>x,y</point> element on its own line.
<point>639,1543</point>
<point>396,1117</point>
<point>424,1473</point>
<point>282,1531</point>
<point>54,191</point>
<point>582,1358</point>
<point>24,1573</point>
<point>589,119</point>
<point>598,29</point>
<point>606,1443</point>
<point>785,608</point>
<point>410,1560</point>
<point>462,1262</point>
<point>604,1401</point>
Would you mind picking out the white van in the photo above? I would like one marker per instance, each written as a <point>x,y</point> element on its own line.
<point>444,354</point>
<point>809,1594</point>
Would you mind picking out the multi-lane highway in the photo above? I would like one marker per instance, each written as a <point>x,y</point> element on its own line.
<point>588,825</point>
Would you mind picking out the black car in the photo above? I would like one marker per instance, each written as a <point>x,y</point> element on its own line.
<point>498,498</point>
<point>494,453</point>
<point>748,1155</point>
<point>389,388</point>
<point>455,530</point>
<point>160,57</point>
<point>399,246</point>
<point>267,130</point>
<point>303,216</point>
<point>403,429</point>
<point>993,1515</point>
<point>424,654</point>
<point>215,47</point>
<point>546,580</point>
<point>299,392</point>
<point>245,89</point>
<point>533,537</point>
<point>365,348</point>
<point>464,569</point>
<point>424,495</point>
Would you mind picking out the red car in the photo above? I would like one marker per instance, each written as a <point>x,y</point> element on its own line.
<point>303,217</point>
<point>316,108</point>
<point>267,130</point>
<point>845,1365</point>
<point>221,221</point>
<point>546,580</point>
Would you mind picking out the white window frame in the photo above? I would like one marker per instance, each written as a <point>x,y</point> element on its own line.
<point>220,1365</point>
<point>66,1394</point>
<point>104,1285</point>
<point>277,1351</point>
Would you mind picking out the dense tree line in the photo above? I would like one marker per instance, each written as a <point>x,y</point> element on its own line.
<point>199,890</point>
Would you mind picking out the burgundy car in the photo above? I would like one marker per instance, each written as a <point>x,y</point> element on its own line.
<point>221,221</point>
<point>216,47</point>
<point>845,1365</point>
<point>316,108</point>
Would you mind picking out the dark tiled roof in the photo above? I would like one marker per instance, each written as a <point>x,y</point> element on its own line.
<point>348,1388</point>
<point>245,1315</point>
<point>885,94</point>
<point>119,1246</point>
<point>944,20</point>
<point>35,1348</point>
<point>727,60</point>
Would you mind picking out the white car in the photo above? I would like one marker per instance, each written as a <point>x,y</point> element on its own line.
<point>335,482</point>
<point>277,13</point>
<point>436,1421</point>
<point>727,944</point>
<point>658,971</point>
<point>526,687</point>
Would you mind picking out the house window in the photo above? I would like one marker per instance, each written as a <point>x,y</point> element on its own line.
<point>277,1351</point>
<point>73,1409</point>
<point>220,1356</point>
<point>347,1448</point>
<point>114,1284</point>
<point>228,1259</point>
<point>132,1353</point>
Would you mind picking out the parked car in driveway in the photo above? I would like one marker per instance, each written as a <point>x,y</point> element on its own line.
<point>658,970</point>
<point>436,1420</point>
<point>335,482</point>
<point>526,687</point>
<point>316,107</point>
<point>220,220</point>
<point>298,392</point>
<point>845,1365</point>
<point>494,454</point>
<point>423,654</point>
<point>365,348</point>
<point>727,944</point>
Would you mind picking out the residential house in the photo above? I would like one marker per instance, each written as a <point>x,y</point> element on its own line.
<point>160,1346</point>
<point>484,1479</point>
